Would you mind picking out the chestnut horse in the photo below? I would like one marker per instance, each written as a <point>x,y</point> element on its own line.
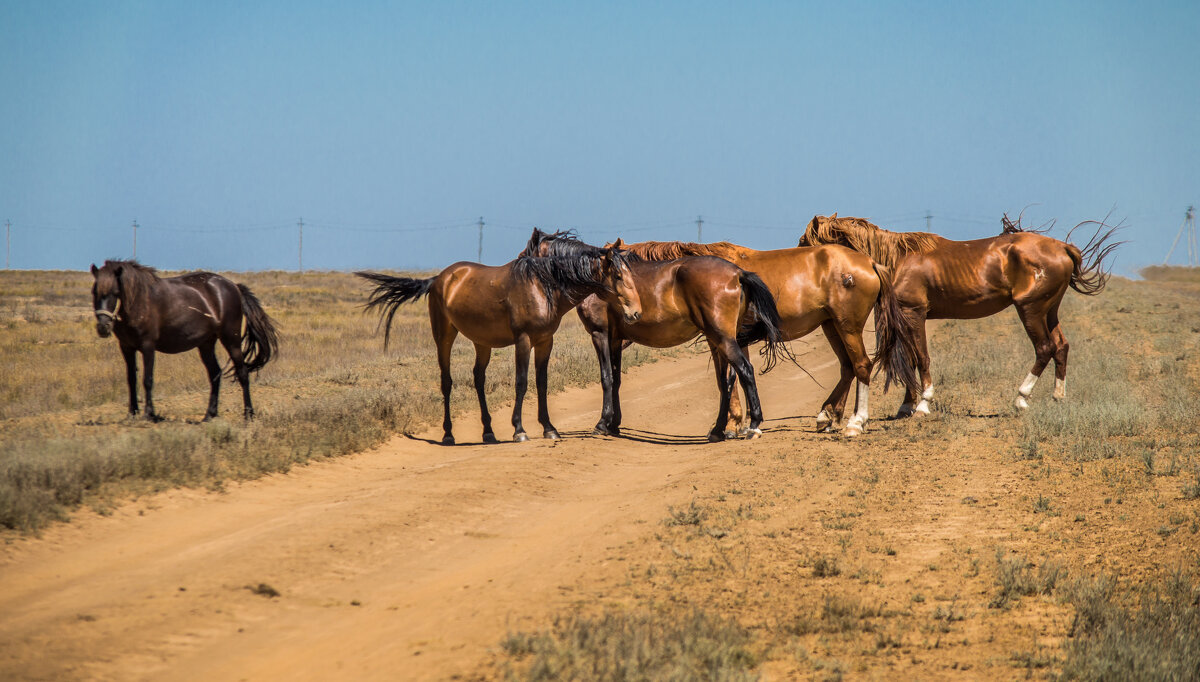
<point>830,287</point>
<point>681,300</point>
<point>520,303</point>
<point>937,278</point>
<point>148,313</point>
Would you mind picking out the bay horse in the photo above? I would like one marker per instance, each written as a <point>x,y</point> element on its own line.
<point>681,300</point>
<point>831,287</point>
<point>149,314</point>
<point>937,278</point>
<point>520,303</point>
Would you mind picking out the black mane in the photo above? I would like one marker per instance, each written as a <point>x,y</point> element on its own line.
<point>564,264</point>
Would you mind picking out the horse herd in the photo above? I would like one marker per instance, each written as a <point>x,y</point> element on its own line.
<point>659,294</point>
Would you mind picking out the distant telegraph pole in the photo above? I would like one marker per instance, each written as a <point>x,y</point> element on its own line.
<point>1188,226</point>
<point>300,246</point>
<point>700,229</point>
<point>479,255</point>
<point>135,227</point>
<point>928,221</point>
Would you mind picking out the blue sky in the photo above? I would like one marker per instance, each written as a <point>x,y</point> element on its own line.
<point>390,128</point>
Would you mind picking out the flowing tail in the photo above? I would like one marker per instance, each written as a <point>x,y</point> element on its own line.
<point>260,342</point>
<point>389,293</point>
<point>1089,276</point>
<point>895,343</point>
<point>761,304</point>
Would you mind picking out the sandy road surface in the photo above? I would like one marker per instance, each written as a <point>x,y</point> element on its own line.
<point>406,562</point>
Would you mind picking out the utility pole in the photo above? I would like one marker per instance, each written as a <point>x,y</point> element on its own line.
<point>699,229</point>
<point>135,227</point>
<point>300,246</point>
<point>928,221</point>
<point>1189,226</point>
<point>7,241</point>
<point>479,255</point>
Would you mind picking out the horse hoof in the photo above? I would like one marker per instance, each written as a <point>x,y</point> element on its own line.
<point>520,437</point>
<point>922,409</point>
<point>826,428</point>
<point>153,418</point>
<point>447,439</point>
<point>716,436</point>
<point>490,438</point>
<point>906,410</point>
<point>552,435</point>
<point>1021,403</point>
<point>606,430</point>
<point>852,431</point>
<point>751,434</point>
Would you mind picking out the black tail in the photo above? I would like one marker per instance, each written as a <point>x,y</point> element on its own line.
<point>761,304</point>
<point>895,342</point>
<point>390,292</point>
<point>1089,276</point>
<point>260,342</point>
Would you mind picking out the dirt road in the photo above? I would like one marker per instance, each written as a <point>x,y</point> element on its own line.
<point>406,562</point>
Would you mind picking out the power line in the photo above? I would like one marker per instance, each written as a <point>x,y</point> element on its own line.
<point>1189,226</point>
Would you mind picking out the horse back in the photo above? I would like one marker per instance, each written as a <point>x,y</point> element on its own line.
<point>195,308</point>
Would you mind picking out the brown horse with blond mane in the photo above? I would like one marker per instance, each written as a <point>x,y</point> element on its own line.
<point>520,303</point>
<point>937,278</point>
<point>830,287</point>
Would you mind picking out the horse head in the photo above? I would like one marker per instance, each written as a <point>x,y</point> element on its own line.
<point>106,296</point>
<point>618,278</point>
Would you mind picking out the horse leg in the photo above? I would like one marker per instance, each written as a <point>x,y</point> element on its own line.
<point>148,382</point>
<point>615,348</point>
<point>234,349</point>
<point>861,363</point>
<point>1061,348</point>
<point>914,405</point>
<point>130,355</point>
<point>208,356</point>
<point>737,415</point>
<point>483,356</point>
<point>604,427</point>
<point>541,363</point>
<point>724,384</point>
<point>521,360</point>
<point>1034,321</point>
<point>835,405</point>
<point>745,374</point>
<point>444,334</point>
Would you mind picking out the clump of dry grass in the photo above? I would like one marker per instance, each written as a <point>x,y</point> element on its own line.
<point>638,645</point>
<point>65,438</point>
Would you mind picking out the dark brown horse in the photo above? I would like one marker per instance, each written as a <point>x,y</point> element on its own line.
<point>148,313</point>
<point>520,303</point>
<point>681,300</point>
<point>830,287</point>
<point>937,278</point>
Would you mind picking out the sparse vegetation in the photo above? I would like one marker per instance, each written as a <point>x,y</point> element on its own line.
<point>65,439</point>
<point>639,645</point>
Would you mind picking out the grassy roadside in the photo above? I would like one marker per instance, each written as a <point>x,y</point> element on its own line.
<point>1059,543</point>
<point>65,440</point>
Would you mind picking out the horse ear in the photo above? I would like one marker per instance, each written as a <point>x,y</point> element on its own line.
<point>95,270</point>
<point>834,216</point>
<point>118,271</point>
<point>619,244</point>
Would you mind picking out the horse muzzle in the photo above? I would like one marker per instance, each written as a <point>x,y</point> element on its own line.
<point>104,323</point>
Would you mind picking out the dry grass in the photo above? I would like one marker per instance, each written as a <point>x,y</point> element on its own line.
<point>65,439</point>
<point>1170,273</point>
<point>968,540</point>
